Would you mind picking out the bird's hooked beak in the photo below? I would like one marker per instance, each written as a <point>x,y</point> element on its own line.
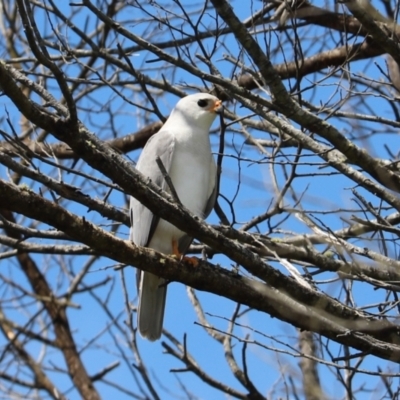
<point>217,106</point>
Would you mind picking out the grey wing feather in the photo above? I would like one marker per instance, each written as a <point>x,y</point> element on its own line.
<point>211,200</point>
<point>143,221</point>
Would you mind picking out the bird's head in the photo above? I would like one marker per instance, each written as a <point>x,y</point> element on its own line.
<point>198,109</point>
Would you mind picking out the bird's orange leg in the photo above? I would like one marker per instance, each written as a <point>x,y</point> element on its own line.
<point>192,260</point>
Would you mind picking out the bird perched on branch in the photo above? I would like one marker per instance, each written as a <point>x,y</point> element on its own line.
<point>183,146</point>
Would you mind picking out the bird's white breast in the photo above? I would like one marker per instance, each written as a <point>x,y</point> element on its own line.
<point>192,174</point>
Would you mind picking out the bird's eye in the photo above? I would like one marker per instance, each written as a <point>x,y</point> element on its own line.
<point>202,103</point>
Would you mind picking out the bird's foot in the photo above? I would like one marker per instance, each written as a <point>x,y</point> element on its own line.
<point>191,260</point>
<point>194,261</point>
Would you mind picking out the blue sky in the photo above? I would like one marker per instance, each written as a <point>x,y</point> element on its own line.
<point>252,197</point>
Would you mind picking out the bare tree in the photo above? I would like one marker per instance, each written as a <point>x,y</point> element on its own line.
<point>304,238</point>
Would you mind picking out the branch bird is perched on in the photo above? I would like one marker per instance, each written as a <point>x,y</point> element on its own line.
<point>183,146</point>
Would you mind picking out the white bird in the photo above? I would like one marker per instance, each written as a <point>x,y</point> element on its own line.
<point>183,146</point>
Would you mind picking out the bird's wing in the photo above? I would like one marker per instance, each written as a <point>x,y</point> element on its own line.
<point>213,189</point>
<point>143,221</point>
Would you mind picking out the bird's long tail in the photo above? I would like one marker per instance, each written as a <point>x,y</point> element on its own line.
<point>153,291</point>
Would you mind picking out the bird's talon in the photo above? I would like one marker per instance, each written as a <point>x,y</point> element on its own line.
<point>192,260</point>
